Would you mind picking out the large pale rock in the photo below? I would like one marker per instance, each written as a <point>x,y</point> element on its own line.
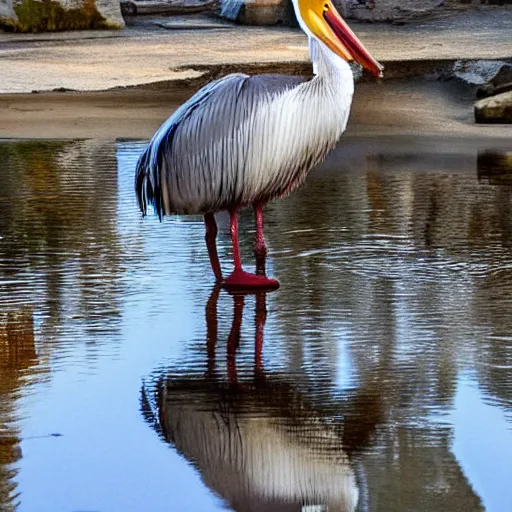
<point>56,15</point>
<point>496,109</point>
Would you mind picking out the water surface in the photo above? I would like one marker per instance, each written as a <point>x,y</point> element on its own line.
<point>377,378</point>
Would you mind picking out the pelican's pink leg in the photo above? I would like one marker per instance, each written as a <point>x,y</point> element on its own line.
<point>211,244</point>
<point>260,246</point>
<point>240,279</point>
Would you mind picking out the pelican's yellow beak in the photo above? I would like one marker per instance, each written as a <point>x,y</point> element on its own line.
<point>325,22</point>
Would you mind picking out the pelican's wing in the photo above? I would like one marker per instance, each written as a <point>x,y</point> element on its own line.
<point>148,171</point>
<point>183,143</point>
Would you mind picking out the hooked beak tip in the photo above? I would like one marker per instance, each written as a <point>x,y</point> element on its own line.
<point>351,43</point>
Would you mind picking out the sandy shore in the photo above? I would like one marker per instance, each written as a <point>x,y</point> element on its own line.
<point>401,107</point>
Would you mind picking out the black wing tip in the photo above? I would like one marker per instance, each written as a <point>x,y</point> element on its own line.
<point>147,185</point>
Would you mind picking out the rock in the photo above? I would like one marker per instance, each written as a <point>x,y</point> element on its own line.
<point>503,76</point>
<point>480,72</point>
<point>345,7</point>
<point>258,12</point>
<point>276,12</point>
<point>492,76</point>
<point>386,10</point>
<point>491,90</point>
<point>57,15</point>
<point>496,109</point>
<point>267,12</point>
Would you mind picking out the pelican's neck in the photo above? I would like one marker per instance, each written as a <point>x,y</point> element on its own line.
<point>326,63</point>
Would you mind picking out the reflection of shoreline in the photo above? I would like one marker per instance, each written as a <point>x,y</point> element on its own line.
<point>495,167</point>
<point>259,444</point>
<point>59,226</point>
<point>17,358</point>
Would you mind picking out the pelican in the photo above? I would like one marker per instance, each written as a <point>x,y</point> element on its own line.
<point>245,140</point>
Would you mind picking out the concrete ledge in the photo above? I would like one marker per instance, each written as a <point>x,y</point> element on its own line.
<point>145,52</point>
<point>204,73</point>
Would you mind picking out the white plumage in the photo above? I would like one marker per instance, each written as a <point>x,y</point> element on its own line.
<point>244,139</point>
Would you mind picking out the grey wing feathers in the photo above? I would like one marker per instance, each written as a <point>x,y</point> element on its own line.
<point>193,161</point>
<point>148,171</point>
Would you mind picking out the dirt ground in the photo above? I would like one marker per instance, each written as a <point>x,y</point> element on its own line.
<point>397,107</point>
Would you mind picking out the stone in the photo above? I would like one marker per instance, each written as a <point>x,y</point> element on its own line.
<point>386,10</point>
<point>345,7</point>
<point>266,12</point>
<point>491,76</point>
<point>259,12</point>
<point>491,90</point>
<point>58,15</point>
<point>496,109</point>
<point>503,76</point>
<point>277,12</point>
<point>480,72</point>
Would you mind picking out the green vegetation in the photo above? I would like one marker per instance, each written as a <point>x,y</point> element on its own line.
<point>50,16</point>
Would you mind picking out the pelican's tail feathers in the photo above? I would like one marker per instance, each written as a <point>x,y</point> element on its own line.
<point>145,192</point>
<point>150,167</point>
<point>148,174</point>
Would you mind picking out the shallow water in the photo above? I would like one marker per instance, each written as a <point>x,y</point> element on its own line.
<point>378,377</point>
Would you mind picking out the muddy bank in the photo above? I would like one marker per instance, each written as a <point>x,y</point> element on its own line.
<point>401,107</point>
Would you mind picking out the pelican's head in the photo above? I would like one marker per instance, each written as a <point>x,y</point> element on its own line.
<point>320,19</point>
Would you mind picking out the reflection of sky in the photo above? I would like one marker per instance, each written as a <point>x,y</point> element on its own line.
<point>483,446</point>
<point>97,462</point>
<point>344,373</point>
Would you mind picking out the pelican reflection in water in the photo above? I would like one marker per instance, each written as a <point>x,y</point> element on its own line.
<point>259,443</point>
